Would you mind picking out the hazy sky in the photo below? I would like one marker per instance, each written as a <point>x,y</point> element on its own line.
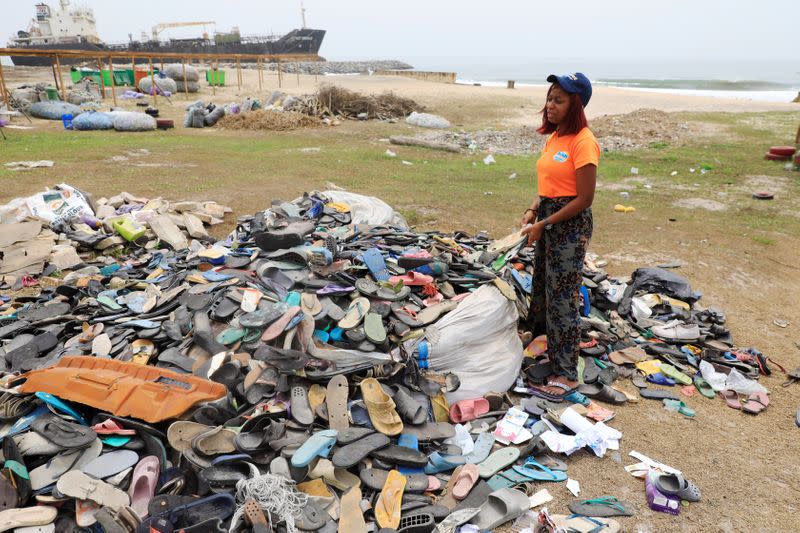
<point>579,29</point>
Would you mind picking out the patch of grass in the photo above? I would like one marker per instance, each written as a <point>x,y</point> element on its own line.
<point>766,241</point>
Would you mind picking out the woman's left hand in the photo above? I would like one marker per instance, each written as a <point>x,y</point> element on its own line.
<point>534,232</point>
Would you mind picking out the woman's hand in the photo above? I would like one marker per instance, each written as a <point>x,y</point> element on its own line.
<point>529,216</point>
<point>534,232</point>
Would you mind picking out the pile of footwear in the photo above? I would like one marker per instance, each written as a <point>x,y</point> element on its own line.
<point>284,379</point>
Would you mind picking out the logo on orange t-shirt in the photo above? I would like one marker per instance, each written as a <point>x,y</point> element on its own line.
<point>561,157</point>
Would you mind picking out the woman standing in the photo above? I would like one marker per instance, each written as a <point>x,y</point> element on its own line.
<point>560,222</point>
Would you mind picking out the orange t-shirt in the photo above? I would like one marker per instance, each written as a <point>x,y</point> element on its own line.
<point>561,157</point>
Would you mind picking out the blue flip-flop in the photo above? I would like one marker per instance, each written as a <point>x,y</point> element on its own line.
<point>524,280</point>
<point>660,379</point>
<point>377,266</point>
<point>318,445</point>
<point>60,405</point>
<point>440,463</point>
<point>412,442</point>
<point>542,473</point>
<point>24,422</point>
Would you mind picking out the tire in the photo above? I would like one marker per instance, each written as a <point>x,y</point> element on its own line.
<point>773,157</point>
<point>783,150</point>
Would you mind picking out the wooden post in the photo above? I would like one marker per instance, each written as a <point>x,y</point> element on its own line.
<point>3,89</point>
<point>153,88</point>
<point>55,75</point>
<point>113,83</point>
<point>298,78</point>
<point>260,73</point>
<point>102,81</point>
<point>133,68</point>
<point>61,80</point>
<point>239,74</point>
<point>185,84</point>
<point>215,77</point>
<point>280,76</point>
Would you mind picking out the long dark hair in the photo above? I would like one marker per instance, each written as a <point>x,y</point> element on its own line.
<point>575,120</point>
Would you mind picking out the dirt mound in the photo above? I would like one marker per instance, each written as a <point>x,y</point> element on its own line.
<point>267,119</point>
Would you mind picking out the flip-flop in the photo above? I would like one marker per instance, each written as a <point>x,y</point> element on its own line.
<point>409,409</point>
<point>430,431</point>
<point>108,464</point>
<point>62,432</point>
<point>351,517</point>
<point>538,472</point>
<point>551,462</point>
<point>731,398</point>
<point>57,404</point>
<point>279,326</point>
<point>467,477</point>
<point>481,449</point>
<point>318,445</point>
<point>466,410</point>
<point>300,407</point>
<point>48,473</point>
<point>310,304</point>
<point>381,408</point>
<point>84,487</point>
<point>26,517</point>
<point>376,264</point>
<point>31,443</point>
<point>336,402</point>
<point>756,402</point>
<point>675,374</point>
<point>497,461</point>
<point>400,455</point>
<point>501,506</point>
<point>181,433</point>
<point>353,434</point>
<point>676,485</point>
<point>658,394</point>
<point>215,441</point>
<point>375,479</point>
<point>585,524</point>
<point>339,478</point>
<point>143,484</point>
<point>604,393</point>
<point>374,329</point>
<point>431,314</point>
<point>387,507</point>
<point>603,506</point>
<point>349,455</point>
<point>660,379</point>
<point>111,427</point>
<point>703,387</point>
<point>355,313</point>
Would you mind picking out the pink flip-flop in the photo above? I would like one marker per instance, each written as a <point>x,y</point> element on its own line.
<point>466,480</point>
<point>731,398</point>
<point>111,427</point>
<point>756,402</point>
<point>467,410</point>
<point>143,484</point>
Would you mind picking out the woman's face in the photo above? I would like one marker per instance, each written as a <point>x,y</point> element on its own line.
<point>557,105</point>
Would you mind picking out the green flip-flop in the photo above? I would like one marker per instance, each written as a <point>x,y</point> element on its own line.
<point>374,329</point>
<point>704,388</point>
<point>672,372</point>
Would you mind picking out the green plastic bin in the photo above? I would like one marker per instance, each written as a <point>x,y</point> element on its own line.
<point>215,77</point>
<point>52,94</point>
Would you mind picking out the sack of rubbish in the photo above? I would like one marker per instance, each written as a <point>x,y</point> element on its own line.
<point>478,341</point>
<point>59,204</point>
<point>53,110</point>
<point>190,87</point>
<point>165,86</point>
<point>175,71</point>
<point>426,120</point>
<point>367,209</point>
<point>198,116</point>
<point>213,117</point>
<point>93,120</point>
<point>130,121</point>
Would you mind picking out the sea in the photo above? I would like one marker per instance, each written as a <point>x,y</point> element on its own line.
<point>746,79</point>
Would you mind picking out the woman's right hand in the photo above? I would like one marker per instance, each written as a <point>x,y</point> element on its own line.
<point>529,216</point>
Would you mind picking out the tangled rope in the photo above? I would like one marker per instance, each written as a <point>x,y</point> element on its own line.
<point>274,494</point>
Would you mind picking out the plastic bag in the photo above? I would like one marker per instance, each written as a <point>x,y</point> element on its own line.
<point>737,382</point>
<point>367,209</point>
<point>426,120</point>
<point>53,110</point>
<point>213,117</point>
<point>478,342</point>
<point>190,87</point>
<point>714,378</point>
<point>164,85</point>
<point>175,71</point>
<point>657,280</point>
<point>59,204</point>
<point>130,121</point>
<point>92,120</point>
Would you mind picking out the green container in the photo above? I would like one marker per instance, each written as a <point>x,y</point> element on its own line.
<point>215,77</point>
<point>78,75</point>
<point>52,94</point>
<point>129,229</point>
<point>120,78</point>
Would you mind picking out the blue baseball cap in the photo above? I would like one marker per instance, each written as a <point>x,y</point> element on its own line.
<point>576,83</point>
